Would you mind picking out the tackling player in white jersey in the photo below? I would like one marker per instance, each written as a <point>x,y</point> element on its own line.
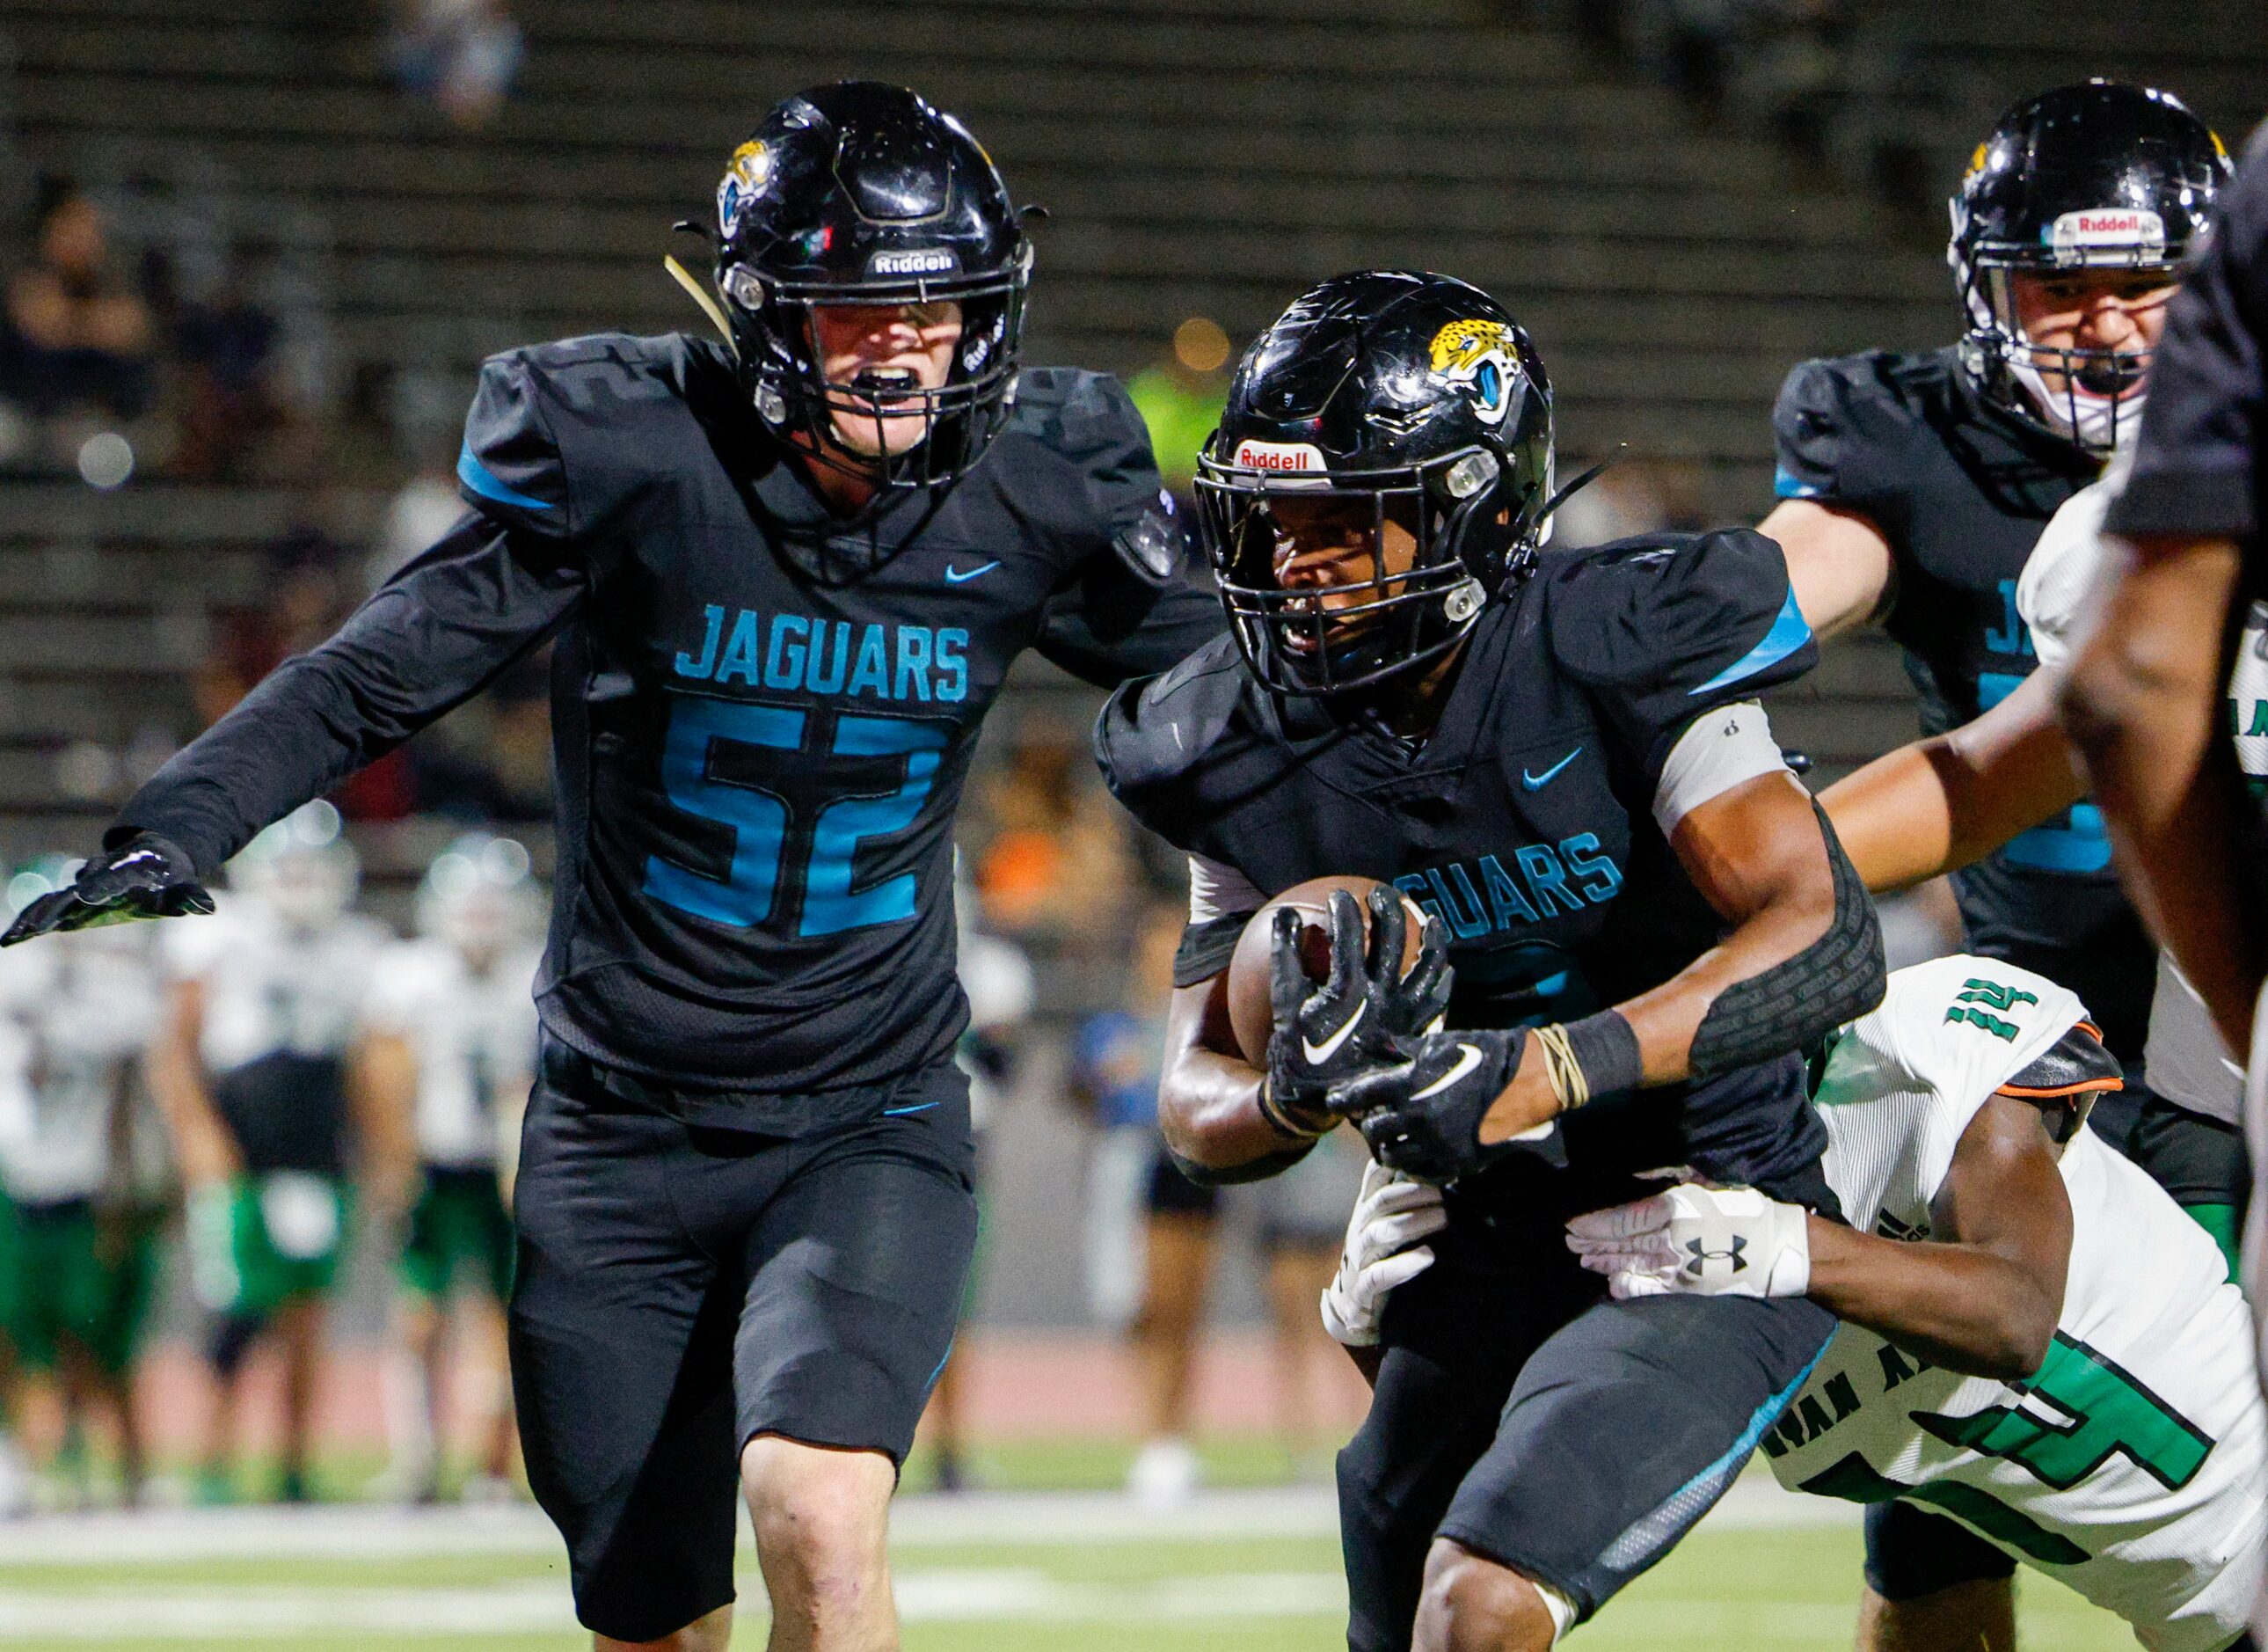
<point>451,1019</point>
<point>83,1183</point>
<point>2035,1340</point>
<point>251,1071</point>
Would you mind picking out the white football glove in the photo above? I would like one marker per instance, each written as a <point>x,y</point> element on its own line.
<point>1392,1215</point>
<point>1703,1241</point>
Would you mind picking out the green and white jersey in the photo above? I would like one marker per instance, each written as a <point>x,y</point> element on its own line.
<point>2133,1465</point>
<point>472,1032</point>
<point>272,988</point>
<point>2187,1062</point>
<point>75,1020</point>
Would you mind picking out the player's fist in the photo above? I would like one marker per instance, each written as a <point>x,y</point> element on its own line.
<point>1702,1241</point>
<point>147,876</point>
<point>1381,1253</point>
<point>1358,1018</point>
<point>1423,1116</point>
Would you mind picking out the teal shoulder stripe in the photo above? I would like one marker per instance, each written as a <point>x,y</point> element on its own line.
<point>1789,633</point>
<point>484,481</point>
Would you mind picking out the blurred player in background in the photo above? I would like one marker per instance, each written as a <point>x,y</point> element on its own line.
<point>1914,486</point>
<point>252,1070</point>
<point>1149,1227</point>
<point>1152,1234</point>
<point>1002,989</point>
<point>85,1188</point>
<point>450,1053</point>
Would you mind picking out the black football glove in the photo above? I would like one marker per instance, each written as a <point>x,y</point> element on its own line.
<point>1358,1019</point>
<point>147,876</point>
<point>1423,1117</point>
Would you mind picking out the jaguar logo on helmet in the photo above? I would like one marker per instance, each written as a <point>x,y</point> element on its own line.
<point>1481,357</point>
<point>746,174</point>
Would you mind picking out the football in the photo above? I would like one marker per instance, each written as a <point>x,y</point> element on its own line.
<point>1251,1013</point>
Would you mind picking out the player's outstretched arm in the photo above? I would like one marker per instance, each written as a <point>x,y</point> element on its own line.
<point>2143,701</point>
<point>427,640</point>
<point>1940,804</point>
<point>1982,1297</point>
<point>1838,564</point>
<point>1985,1297</point>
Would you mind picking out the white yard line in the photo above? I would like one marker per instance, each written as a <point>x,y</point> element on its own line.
<point>352,1533</point>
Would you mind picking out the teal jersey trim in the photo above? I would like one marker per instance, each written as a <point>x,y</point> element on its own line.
<point>1790,631</point>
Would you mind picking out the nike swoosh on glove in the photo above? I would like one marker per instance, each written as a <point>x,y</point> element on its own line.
<point>1361,1014</point>
<point>147,876</point>
<point>1424,1117</point>
<point>1382,1252</point>
<point>1701,1241</point>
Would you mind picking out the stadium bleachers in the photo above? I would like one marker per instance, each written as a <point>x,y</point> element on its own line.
<point>1196,159</point>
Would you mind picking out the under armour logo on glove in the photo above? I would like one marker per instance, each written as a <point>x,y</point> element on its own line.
<point>1700,1257</point>
<point>1362,1016</point>
<point>1700,1241</point>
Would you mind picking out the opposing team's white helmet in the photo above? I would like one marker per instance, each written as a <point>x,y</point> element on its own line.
<point>478,896</point>
<point>300,867</point>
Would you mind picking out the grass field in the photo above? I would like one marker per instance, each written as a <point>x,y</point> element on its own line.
<point>1251,1571</point>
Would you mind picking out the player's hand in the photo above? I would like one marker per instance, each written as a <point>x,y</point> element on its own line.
<point>1702,1241</point>
<point>1411,1005</point>
<point>147,876</point>
<point>1381,1251</point>
<point>1423,1116</point>
<point>1324,1035</point>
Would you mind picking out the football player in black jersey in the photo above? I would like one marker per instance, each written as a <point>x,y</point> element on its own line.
<point>1560,759</point>
<point>1912,487</point>
<point>787,576</point>
<point>2145,696</point>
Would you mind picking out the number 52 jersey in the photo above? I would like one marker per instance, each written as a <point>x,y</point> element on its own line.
<point>761,723</point>
<point>2133,1464</point>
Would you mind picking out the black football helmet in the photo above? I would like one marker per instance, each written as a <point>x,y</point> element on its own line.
<point>861,193</point>
<point>2097,176</point>
<point>1421,397</point>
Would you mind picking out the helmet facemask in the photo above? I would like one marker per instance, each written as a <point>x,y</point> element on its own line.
<point>2089,396</point>
<point>1333,637</point>
<point>776,331</point>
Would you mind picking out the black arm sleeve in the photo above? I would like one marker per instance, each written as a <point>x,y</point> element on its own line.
<point>431,638</point>
<point>1837,978</point>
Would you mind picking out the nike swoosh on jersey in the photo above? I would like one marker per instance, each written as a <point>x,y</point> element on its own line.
<point>1468,1058</point>
<point>962,576</point>
<point>1317,1054</point>
<point>1537,782</point>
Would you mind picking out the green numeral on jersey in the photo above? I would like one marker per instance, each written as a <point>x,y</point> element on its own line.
<point>2109,1412</point>
<point>2003,999</point>
<point>1978,1018</point>
<point>1852,1478</point>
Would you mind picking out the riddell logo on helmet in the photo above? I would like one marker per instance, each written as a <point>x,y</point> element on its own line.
<point>929,261</point>
<point>1280,456</point>
<point>2110,227</point>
